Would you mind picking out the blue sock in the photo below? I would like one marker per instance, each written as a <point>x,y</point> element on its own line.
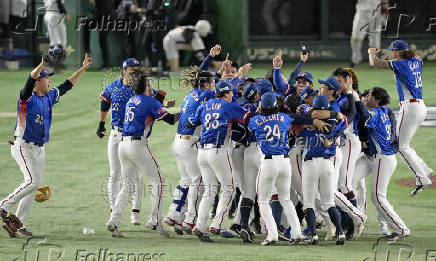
<point>336,219</point>
<point>310,220</point>
<point>276,211</point>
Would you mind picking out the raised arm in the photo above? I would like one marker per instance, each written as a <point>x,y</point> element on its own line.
<point>87,61</point>
<point>376,62</point>
<point>277,74</point>
<point>297,69</point>
<point>214,51</point>
<point>26,92</point>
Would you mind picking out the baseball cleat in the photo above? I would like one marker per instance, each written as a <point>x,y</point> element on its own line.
<point>110,227</point>
<point>418,189</point>
<point>266,242</point>
<point>331,232</point>
<point>246,236</point>
<point>313,239</point>
<point>256,227</point>
<point>358,230</point>
<point>162,231</point>
<point>283,236</point>
<point>215,231</point>
<point>396,236</point>
<point>295,241</point>
<point>306,231</point>
<point>24,232</point>
<point>116,232</point>
<point>187,227</point>
<point>236,228</point>
<point>202,236</point>
<point>178,228</point>
<point>150,225</point>
<point>169,221</point>
<point>135,219</point>
<point>9,229</point>
<point>340,239</point>
<point>226,234</point>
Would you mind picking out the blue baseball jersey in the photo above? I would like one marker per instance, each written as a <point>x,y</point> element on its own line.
<point>313,146</point>
<point>334,106</point>
<point>34,117</point>
<point>408,77</point>
<point>342,102</point>
<point>215,116</point>
<point>271,132</point>
<point>251,108</point>
<point>141,112</point>
<point>117,94</point>
<point>380,131</point>
<point>189,106</point>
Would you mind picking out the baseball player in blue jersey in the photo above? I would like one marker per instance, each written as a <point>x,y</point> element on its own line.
<point>407,69</point>
<point>271,129</point>
<point>116,95</point>
<point>34,116</point>
<point>250,158</point>
<point>214,160</point>
<point>185,150</point>
<point>135,155</point>
<point>383,158</point>
<point>318,173</point>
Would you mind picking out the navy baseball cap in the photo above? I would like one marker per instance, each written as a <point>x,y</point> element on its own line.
<point>222,87</point>
<point>264,86</point>
<point>250,90</point>
<point>306,75</point>
<point>331,83</point>
<point>131,62</point>
<point>306,92</point>
<point>398,45</point>
<point>268,100</point>
<point>321,102</point>
<point>44,73</point>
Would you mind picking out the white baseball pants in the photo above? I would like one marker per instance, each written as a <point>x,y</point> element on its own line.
<point>136,157</point>
<point>412,114</point>
<point>114,181</point>
<point>185,151</point>
<point>273,174</point>
<point>215,166</point>
<point>31,159</point>
<point>57,32</point>
<point>350,154</point>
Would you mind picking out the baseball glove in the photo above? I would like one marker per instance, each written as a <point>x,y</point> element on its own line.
<point>54,57</point>
<point>292,101</point>
<point>43,194</point>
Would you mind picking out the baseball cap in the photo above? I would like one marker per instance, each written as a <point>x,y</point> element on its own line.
<point>321,102</point>
<point>44,73</point>
<point>222,87</point>
<point>250,90</point>
<point>264,86</point>
<point>331,83</point>
<point>306,92</point>
<point>306,75</point>
<point>398,45</point>
<point>246,79</point>
<point>268,100</point>
<point>130,62</point>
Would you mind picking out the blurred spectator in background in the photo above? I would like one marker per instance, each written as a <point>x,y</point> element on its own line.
<point>101,11</point>
<point>276,15</point>
<point>156,13</point>
<point>128,10</point>
<point>188,12</point>
<point>368,20</point>
<point>186,38</point>
<point>18,14</point>
<point>54,19</point>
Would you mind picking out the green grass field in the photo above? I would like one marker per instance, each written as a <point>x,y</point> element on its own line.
<point>77,167</point>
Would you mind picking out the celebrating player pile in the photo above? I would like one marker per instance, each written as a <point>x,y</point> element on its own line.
<point>273,149</point>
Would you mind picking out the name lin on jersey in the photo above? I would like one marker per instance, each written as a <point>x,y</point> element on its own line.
<point>214,106</point>
<point>274,117</point>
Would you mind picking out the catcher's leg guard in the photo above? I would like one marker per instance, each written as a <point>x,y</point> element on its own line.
<point>14,222</point>
<point>10,230</point>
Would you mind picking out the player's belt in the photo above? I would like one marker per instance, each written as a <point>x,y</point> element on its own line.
<point>184,137</point>
<point>132,138</point>
<point>31,143</point>
<point>271,156</point>
<point>211,146</point>
<point>117,128</point>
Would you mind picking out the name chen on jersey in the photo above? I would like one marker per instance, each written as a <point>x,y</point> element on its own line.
<point>274,117</point>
